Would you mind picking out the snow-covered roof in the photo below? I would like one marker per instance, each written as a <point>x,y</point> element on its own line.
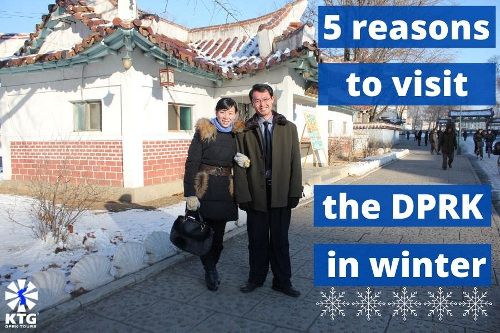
<point>229,57</point>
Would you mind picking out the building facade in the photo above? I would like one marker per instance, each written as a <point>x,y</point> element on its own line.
<point>110,94</point>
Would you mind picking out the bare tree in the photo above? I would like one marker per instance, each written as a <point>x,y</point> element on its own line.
<point>58,201</point>
<point>431,114</point>
<point>383,55</point>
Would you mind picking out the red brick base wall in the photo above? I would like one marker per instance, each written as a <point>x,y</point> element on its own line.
<point>99,162</point>
<point>164,160</point>
<point>339,148</point>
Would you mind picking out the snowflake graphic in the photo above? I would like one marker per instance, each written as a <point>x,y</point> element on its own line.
<point>368,304</point>
<point>405,304</point>
<point>475,304</point>
<point>332,303</point>
<point>440,304</point>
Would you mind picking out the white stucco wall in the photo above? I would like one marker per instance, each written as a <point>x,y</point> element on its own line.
<point>37,106</point>
<point>381,137</point>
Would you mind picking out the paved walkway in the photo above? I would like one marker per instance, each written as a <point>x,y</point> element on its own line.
<point>176,299</point>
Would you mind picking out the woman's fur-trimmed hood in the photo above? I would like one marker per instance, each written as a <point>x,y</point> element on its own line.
<point>253,122</point>
<point>208,131</point>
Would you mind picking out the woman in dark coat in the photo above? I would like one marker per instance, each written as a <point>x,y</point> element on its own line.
<point>208,182</point>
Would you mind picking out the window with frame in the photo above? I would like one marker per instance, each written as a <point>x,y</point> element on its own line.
<point>179,117</point>
<point>87,116</point>
<point>330,127</point>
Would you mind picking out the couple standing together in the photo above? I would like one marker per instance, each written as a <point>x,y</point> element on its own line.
<point>257,165</point>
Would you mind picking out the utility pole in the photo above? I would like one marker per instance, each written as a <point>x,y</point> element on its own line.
<point>459,148</point>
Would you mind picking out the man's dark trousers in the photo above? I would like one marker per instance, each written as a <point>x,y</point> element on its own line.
<point>447,159</point>
<point>268,243</point>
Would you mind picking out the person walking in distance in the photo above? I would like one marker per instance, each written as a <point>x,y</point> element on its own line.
<point>489,137</point>
<point>447,145</point>
<point>419,137</point>
<point>433,139</point>
<point>426,137</point>
<point>478,143</point>
<point>268,190</point>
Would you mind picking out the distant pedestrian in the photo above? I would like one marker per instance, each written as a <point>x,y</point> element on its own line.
<point>408,135</point>
<point>478,143</point>
<point>448,145</point>
<point>419,137</point>
<point>489,137</point>
<point>426,137</point>
<point>465,135</point>
<point>434,142</point>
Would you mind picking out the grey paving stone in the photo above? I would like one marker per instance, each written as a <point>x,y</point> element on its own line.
<point>224,323</point>
<point>92,323</point>
<point>231,275</point>
<point>229,300</point>
<point>62,321</point>
<point>191,267</point>
<point>380,239</point>
<point>416,325</point>
<point>489,323</point>
<point>284,311</point>
<point>405,232</point>
<point>306,271</point>
<point>284,330</point>
<point>169,316</point>
<point>171,286</point>
<point>348,323</point>
<point>306,254</point>
<point>123,305</point>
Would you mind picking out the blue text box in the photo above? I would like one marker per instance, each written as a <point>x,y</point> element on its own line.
<point>406,84</point>
<point>402,264</point>
<point>406,26</point>
<point>391,206</point>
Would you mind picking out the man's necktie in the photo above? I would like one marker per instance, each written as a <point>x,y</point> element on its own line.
<point>268,146</point>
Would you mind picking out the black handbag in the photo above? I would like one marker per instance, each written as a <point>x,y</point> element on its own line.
<point>192,234</point>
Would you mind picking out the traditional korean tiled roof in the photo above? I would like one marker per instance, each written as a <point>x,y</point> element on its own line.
<point>228,58</point>
<point>362,108</point>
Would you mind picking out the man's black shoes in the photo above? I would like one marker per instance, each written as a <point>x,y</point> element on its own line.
<point>250,286</point>
<point>289,291</point>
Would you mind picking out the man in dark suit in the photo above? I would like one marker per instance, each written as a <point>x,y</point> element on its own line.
<point>268,190</point>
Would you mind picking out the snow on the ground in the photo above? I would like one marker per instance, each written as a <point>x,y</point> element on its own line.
<point>22,255</point>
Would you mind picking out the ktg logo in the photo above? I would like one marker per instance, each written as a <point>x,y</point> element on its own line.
<point>21,296</point>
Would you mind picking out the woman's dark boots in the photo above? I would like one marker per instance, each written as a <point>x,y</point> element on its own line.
<point>212,279</point>
<point>209,262</point>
